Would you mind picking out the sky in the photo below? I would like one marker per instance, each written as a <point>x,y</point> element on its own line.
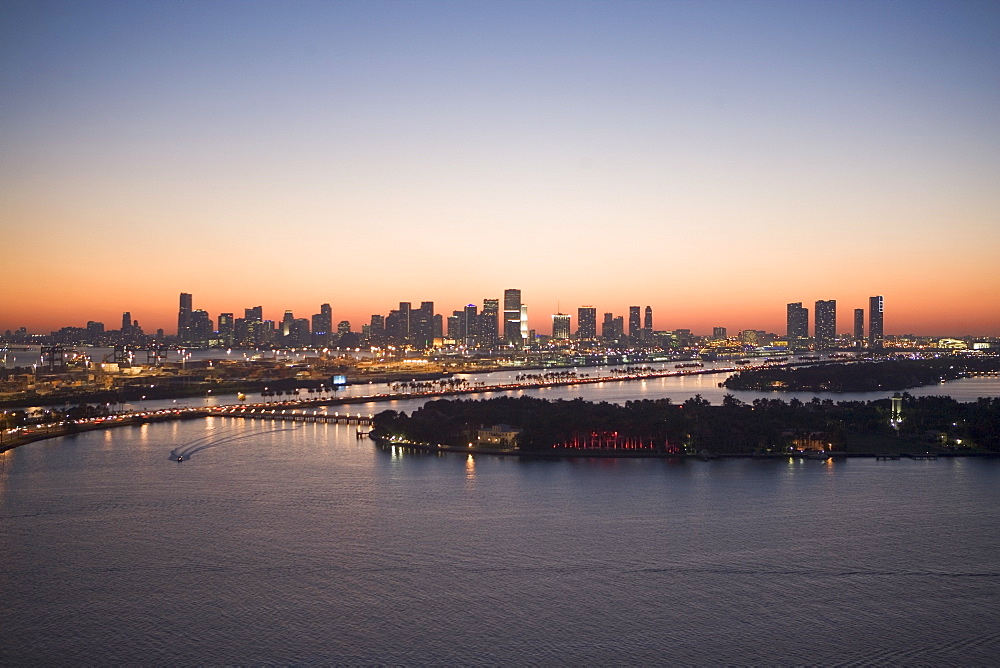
<point>714,160</point>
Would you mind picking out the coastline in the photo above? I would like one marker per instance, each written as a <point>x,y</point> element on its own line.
<point>652,454</point>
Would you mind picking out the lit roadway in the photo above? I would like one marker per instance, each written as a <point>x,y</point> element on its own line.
<point>12,438</point>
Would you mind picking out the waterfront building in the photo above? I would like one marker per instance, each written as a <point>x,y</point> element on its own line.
<point>200,329</point>
<point>586,323</point>
<point>226,329</point>
<point>797,322</point>
<point>647,325</point>
<point>876,337</point>
<point>719,333</point>
<point>488,323</point>
<point>512,317</point>
<point>859,327</point>
<point>826,323</point>
<point>184,318</point>
<point>322,326</point>
<point>560,326</point>
<point>470,325</point>
<point>634,322</point>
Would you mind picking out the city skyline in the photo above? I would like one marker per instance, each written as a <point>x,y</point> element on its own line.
<point>715,161</point>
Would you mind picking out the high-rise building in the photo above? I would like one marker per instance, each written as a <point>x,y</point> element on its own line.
<point>488,320</point>
<point>797,321</point>
<point>227,329</point>
<point>322,326</point>
<point>876,337</point>
<point>422,327</point>
<point>184,319</point>
<point>512,317</point>
<point>200,328</point>
<point>634,322</point>
<point>560,326</point>
<point>826,323</point>
<point>470,325</point>
<point>586,323</point>
<point>859,327</point>
<point>719,333</point>
<point>647,325</point>
<point>126,323</point>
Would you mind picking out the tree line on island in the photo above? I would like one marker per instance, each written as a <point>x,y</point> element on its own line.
<point>893,374</point>
<point>696,426</point>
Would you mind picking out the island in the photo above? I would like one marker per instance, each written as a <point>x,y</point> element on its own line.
<point>529,426</point>
<point>865,376</point>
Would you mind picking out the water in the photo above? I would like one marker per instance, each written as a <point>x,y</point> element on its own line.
<point>309,546</point>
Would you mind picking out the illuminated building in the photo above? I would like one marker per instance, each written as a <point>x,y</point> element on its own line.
<point>560,326</point>
<point>512,317</point>
<point>227,329</point>
<point>586,323</point>
<point>488,322</point>
<point>719,333</point>
<point>859,326</point>
<point>634,322</point>
<point>647,324</point>
<point>184,319</point>
<point>797,321</point>
<point>876,337</point>
<point>826,323</point>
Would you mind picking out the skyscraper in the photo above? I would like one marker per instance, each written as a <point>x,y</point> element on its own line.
<point>184,319</point>
<point>875,334</point>
<point>826,323</point>
<point>586,323</point>
<point>560,326</point>
<point>797,321</point>
<point>512,317</point>
<point>227,329</point>
<point>647,324</point>
<point>859,326</point>
<point>634,322</point>
<point>488,320</point>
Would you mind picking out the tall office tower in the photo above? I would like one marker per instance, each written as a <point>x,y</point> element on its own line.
<point>201,327</point>
<point>512,317</point>
<point>647,324</point>
<point>184,319</point>
<point>471,325</point>
<point>422,325</point>
<point>404,317</point>
<point>859,327</point>
<point>322,326</point>
<point>376,330</point>
<point>287,323</point>
<point>437,327</point>
<point>526,335</point>
<point>719,333</point>
<point>488,322</point>
<point>798,321</point>
<point>227,329</point>
<point>586,323</point>
<point>560,326</point>
<point>826,323</point>
<point>634,322</point>
<point>608,326</point>
<point>455,326</point>
<point>875,334</point>
<point>252,328</point>
<point>126,323</point>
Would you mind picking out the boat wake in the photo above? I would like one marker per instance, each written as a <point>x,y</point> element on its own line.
<point>183,452</point>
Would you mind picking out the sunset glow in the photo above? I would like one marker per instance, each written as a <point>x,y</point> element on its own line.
<point>712,160</point>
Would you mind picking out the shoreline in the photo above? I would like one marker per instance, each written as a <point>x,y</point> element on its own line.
<point>436,448</point>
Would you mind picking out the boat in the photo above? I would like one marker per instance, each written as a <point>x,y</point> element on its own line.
<point>180,458</point>
<point>820,455</point>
